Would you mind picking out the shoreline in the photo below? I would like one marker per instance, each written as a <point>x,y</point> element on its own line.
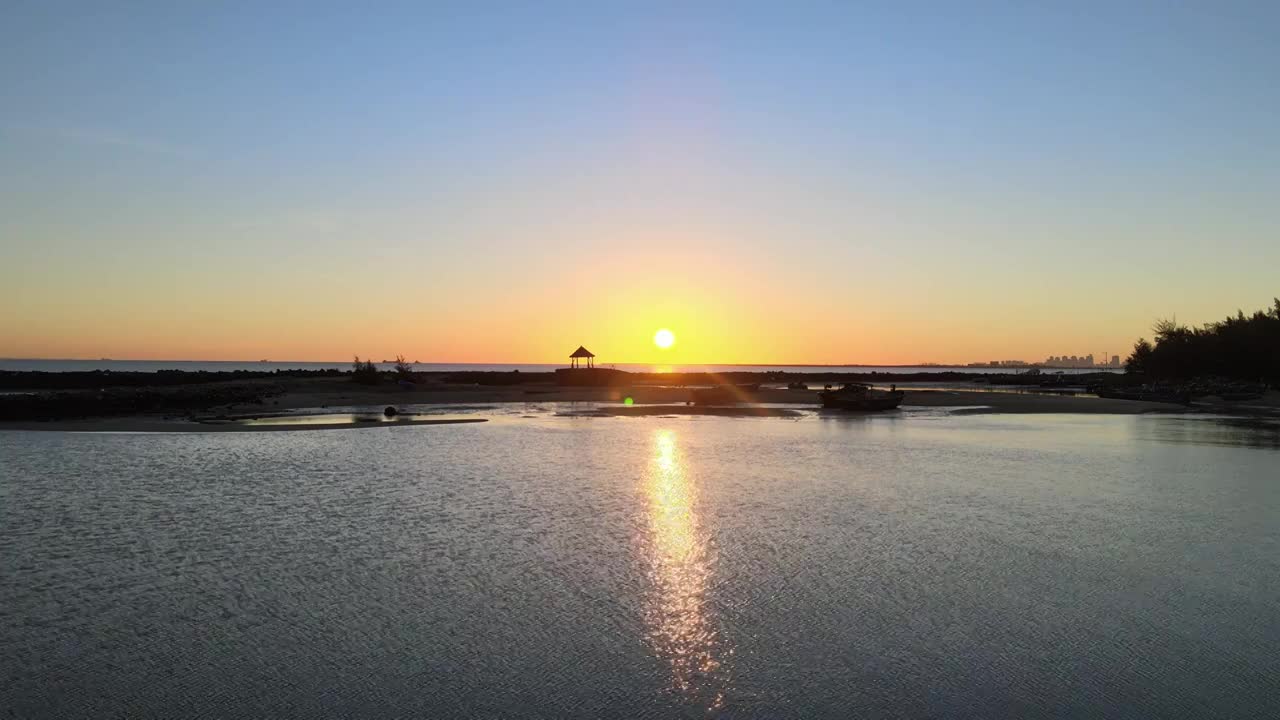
<point>39,381</point>
<point>650,402</point>
<point>1002,400</point>
<point>340,395</point>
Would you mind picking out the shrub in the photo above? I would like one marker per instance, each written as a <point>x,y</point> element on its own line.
<point>365,373</point>
<point>404,371</point>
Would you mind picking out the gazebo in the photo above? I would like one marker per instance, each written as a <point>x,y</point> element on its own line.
<point>580,353</point>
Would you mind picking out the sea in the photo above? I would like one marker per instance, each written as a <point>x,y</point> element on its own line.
<point>269,366</point>
<point>549,565</point>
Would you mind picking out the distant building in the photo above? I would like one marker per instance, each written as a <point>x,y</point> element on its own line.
<point>1077,361</point>
<point>1115,361</point>
<point>1000,363</point>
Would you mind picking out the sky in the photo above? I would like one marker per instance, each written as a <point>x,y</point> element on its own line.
<point>843,182</point>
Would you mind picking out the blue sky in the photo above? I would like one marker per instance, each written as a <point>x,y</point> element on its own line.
<point>1124,157</point>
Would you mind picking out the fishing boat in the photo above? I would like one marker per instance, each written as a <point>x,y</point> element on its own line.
<point>861,397</point>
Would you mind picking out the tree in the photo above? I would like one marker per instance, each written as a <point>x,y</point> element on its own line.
<point>404,371</point>
<point>1240,347</point>
<point>365,373</point>
<point>1140,360</point>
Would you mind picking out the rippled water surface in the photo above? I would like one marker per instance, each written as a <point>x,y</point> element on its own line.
<point>544,566</point>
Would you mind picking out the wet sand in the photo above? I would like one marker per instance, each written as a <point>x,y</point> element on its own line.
<point>648,400</point>
<point>675,397</point>
<point>669,410</point>
<point>977,401</point>
<point>145,424</point>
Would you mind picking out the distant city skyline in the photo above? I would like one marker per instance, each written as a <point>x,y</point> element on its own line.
<point>1083,361</point>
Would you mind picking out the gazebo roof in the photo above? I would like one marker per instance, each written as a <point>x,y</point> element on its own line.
<point>582,352</point>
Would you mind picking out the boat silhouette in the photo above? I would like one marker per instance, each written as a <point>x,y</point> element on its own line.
<point>860,397</point>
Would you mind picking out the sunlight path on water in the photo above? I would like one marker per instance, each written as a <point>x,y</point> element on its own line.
<point>681,628</point>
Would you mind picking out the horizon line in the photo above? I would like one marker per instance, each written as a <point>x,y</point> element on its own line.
<point>438,362</point>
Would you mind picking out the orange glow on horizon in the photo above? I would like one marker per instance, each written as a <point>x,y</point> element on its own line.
<point>719,310</point>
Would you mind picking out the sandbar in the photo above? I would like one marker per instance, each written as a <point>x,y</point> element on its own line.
<point>341,395</point>
<point>652,410</point>
<point>150,424</point>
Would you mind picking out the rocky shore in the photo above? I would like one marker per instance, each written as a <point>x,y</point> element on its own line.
<point>116,401</point>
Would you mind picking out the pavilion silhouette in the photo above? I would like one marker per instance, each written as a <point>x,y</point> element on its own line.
<point>582,371</point>
<point>577,356</point>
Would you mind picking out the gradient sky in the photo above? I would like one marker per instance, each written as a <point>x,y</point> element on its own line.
<point>482,182</point>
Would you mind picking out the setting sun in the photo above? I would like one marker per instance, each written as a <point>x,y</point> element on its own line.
<point>664,338</point>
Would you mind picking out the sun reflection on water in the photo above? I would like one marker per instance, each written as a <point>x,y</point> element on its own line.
<point>681,627</point>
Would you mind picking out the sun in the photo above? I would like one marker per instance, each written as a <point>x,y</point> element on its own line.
<point>664,338</point>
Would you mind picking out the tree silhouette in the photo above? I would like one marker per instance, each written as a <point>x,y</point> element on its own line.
<point>365,373</point>
<point>404,371</point>
<point>1239,347</point>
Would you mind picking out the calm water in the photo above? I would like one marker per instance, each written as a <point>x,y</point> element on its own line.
<point>232,365</point>
<point>920,566</point>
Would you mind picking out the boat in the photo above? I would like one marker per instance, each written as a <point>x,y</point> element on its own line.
<point>861,397</point>
<point>724,394</point>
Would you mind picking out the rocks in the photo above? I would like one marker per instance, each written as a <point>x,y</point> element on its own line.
<point>95,379</point>
<point>131,401</point>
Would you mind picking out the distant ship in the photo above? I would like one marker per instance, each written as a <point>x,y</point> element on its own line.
<point>857,396</point>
